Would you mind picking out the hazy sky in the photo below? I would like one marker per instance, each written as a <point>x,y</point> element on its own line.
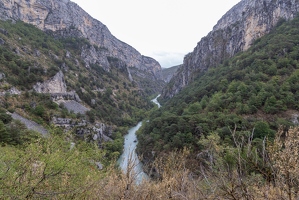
<point>163,29</point>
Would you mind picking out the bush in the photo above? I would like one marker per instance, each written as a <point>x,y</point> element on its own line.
<point>262,130</point>
<point>39,110</point>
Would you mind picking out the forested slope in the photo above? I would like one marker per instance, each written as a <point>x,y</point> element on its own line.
<point>255,91</point>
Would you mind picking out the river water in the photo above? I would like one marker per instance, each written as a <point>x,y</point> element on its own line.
<point>129,159</point>
<point>155,100</point>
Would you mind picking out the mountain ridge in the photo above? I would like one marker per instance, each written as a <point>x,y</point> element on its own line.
<point>65,18</point>
<point>233,33</point>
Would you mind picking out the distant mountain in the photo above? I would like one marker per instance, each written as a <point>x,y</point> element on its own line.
<point>168,73</point>
<point>234,32</point>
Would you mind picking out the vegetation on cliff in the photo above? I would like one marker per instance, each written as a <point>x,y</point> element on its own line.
<point>255,92</point>
<point>28,55</point>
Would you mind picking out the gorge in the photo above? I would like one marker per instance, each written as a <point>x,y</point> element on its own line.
<point>235,32</point>
<point>226,128</point>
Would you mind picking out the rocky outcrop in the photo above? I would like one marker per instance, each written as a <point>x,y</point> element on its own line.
<point>234,32</point>
<point>54,85</point>
<point>68,123</point>
<point>92,56</point>
<point>11,91</point>
<point>14,91</point>
<point>65,18</point>
<point>102,132</point>
<point>65,96</point>
<point>63,122</point>
<point>99,132</point>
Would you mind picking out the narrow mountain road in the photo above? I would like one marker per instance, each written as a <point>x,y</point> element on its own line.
<point>31,125</point>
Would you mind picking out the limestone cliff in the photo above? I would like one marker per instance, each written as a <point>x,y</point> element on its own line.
<point>65,18</point>
<point>234,32</point>
<point>54,85</point>
<point>168,73</point>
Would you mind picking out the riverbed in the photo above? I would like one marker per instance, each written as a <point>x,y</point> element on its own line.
<point>129,159</point>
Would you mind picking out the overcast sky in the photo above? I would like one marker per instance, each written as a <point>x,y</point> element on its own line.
<point>165,30</point>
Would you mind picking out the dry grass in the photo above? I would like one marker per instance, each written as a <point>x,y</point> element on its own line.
<point>213,181</point>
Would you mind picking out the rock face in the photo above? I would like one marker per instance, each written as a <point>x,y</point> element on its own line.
<point>234,32</point>
<point>91,56</point>
<point>99,132</point>
<point>168,73</point>
<point>54,85</point>
<point>65,18</point>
